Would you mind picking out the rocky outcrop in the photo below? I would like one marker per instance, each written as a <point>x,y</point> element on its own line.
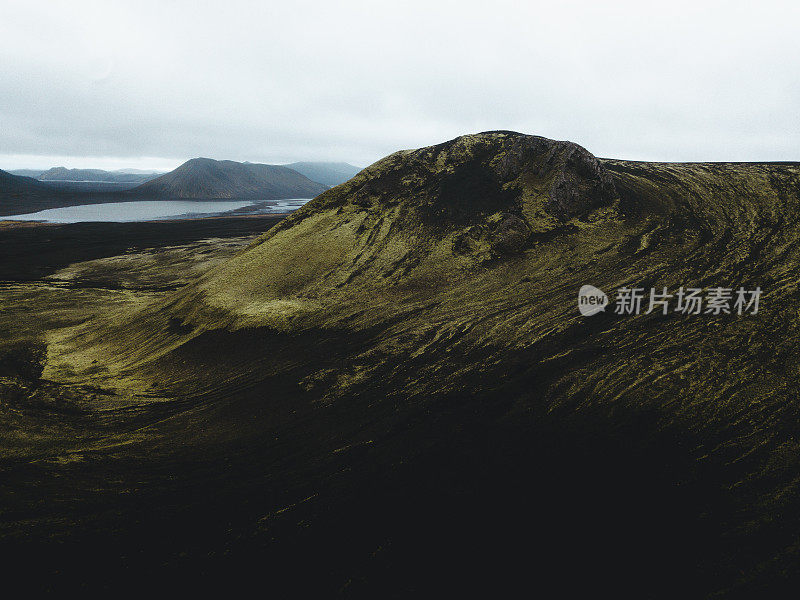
<point>472,177</point>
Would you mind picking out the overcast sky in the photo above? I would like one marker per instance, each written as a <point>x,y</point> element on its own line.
<point>151,84</point>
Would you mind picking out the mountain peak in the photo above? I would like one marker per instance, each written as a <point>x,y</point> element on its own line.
<point>467,179</point>
<point>208,178</point>
<point>416,219</point>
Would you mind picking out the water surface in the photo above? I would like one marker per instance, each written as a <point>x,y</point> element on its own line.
<point>153,210</point>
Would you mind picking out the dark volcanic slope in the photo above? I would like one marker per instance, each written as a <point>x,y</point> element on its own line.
<point>20,194</point>
<point>207,178</point>
<point>392,394</point>
<point>32,253</point>
<point>18,184</point>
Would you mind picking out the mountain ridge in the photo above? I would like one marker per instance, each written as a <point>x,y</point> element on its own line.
<point>215,179</point>
<point>58,174</point>
<point>18,183</point>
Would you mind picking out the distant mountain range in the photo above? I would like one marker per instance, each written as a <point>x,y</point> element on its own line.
<point>10,183</point>
<point>208,178</point>
<point>88,180</point>
<point>26,172</point>
<point>326,173</point>
<point>94,175</point>
<point>60,173</point>
<point>139,171</point>
<point>29,190</point>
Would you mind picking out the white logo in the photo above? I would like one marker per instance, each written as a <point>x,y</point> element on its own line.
<point>591,300</point>
<point>688,301</point>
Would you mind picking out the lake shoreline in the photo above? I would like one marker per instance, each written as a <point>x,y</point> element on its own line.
<point>6,224</point>
<point>157,210</point>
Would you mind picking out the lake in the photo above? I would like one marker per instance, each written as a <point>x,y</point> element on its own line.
<point>156,210</point>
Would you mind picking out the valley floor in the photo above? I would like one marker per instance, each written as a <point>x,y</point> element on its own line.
<point>59,443</point>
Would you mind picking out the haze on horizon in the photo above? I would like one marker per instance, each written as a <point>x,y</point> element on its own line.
<point>150,84</point>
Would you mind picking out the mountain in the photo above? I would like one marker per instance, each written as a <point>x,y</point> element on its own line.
<point>62,174</point>
<point>18,184</point>
<point>207,178</point>
<point>199,178</point>
<point>393,387</point>
<point>138,172</point>
<point>71,186</point>
<point>20,195</point>
<point>27,172</point>
<point>327,173</point>
<point>89,181</point>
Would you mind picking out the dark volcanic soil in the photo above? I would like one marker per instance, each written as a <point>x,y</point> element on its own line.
<point>29,252</point>
<point>392,394</point>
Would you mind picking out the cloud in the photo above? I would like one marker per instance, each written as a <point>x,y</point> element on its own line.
<point>277,82</point>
